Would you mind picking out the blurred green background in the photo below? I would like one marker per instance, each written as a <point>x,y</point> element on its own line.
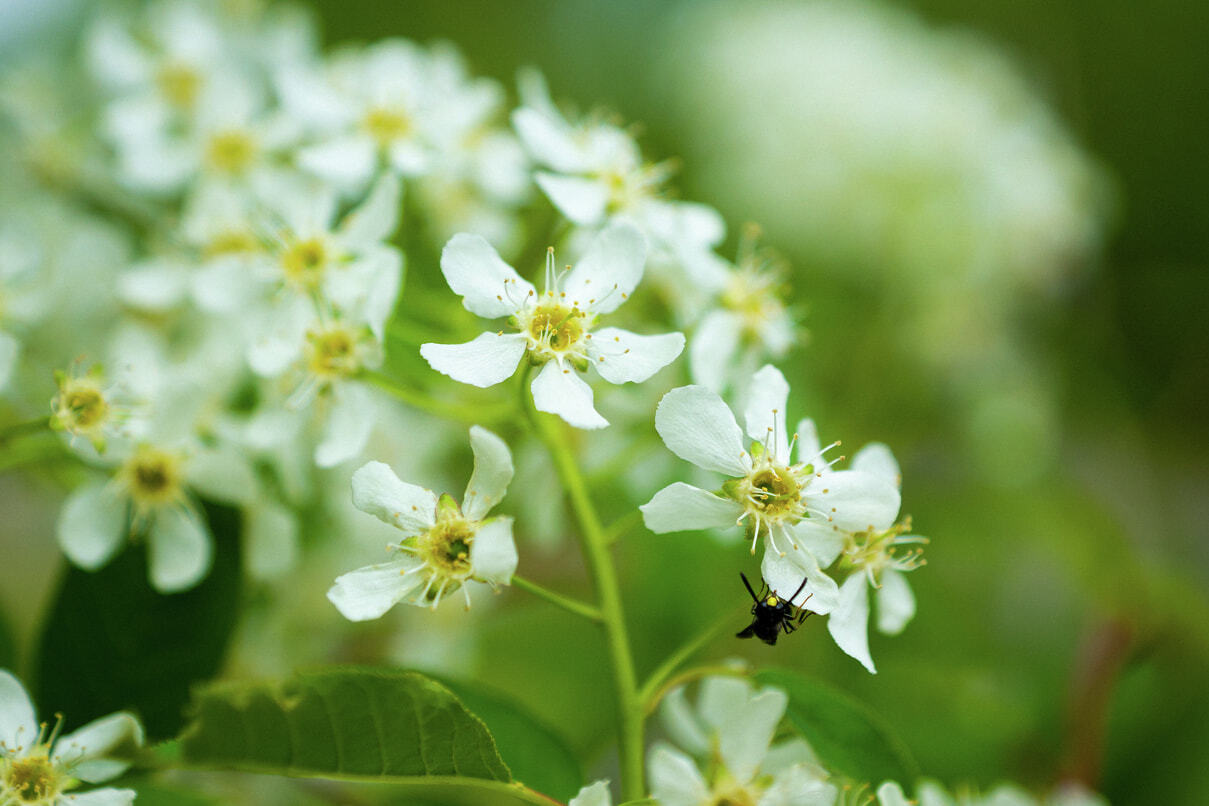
<point>1064,600</point>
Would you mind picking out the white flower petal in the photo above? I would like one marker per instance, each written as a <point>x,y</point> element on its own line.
<point>722,700</point>
<point>181,550</point>
<point>681,507</point>
<point>376,218</point>
<point>786,754</point>
<point>682,724</point>
<point>932,794</point>
<point>808,443</point>
<point>698,427</point>
<point>891,794</point>
<point>765,414</point>
<point>854,500</point>
<point>580,199</point>
<point>822,539</point>
<point>596,794</point>
<point>609,271</point>
<point>92,525</point>
<point>849,622</point>
<point>488,286</point>
<point>369,592</point>
<point>222,473</point>
<point>876,458</point>
<point>225,284</point>
<point>153,286</point>
<point>96,740</point>
<point>408,158</point>
<point>347,162</point>
<point>102,797</point>
<point>490,359</point>
<point>675,779</point>
<point>549,140</point>
<point>745,738</point>
<point>712,349</point>
<point>18,723</point>
<point>624,357</point>
<point>271,534</point>
<point>379,492</point>
<point>348,426</point>
<point>493,553</point>
<point>492,473</point>
<point>800,785</point>
<point>559,390</point>
<point>784,576</point>
<point>895,602</point>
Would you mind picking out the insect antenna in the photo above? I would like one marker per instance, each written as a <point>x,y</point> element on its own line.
<point>747,585</point>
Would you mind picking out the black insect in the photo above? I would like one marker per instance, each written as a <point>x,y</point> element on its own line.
<point>771,614</point>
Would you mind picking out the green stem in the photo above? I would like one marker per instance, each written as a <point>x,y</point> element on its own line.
<point>423,402</point>
<point>594,545</point>
<point>11,432</point>
<point>652,690</point>
<point>618,528</point>
<point>575,606</point>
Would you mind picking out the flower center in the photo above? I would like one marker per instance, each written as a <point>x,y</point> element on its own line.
<point>153,477</point>
<point>386,125</point>
<point>873,551</point>
<point>304,261</point>
<point>33,779</point>
<point>231,151</point>
<point>773,491</point>
<point>334,353</point>
<point>80,405</point>
<point>179,83</point>
<point>555,330</point>
<point>752,294</point>
<point>446,547</point>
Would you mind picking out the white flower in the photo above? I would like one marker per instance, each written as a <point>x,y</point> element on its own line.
<point>775,497</point>
<point>148,495</point>
<point>597,176</point>
<point>87,407</point>
<point>443,546</point>
<point>932,794</point>
<point>369,108</point>
<point>555,329</point>
<point>748,322</point>
<point>872,557</point>
<point>732,729</point>
<point>40,768</point>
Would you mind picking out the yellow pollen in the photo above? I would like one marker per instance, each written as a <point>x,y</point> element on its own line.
<point>180,84</point>
<point>386,125</point>
<point>33,779</point>
<point>304,261</point>
<point>333,353</point>
<point>230,151</point>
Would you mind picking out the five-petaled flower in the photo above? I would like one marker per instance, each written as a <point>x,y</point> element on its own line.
<point>556,329</point>
<point>443,545</point>
<point>767,491</point>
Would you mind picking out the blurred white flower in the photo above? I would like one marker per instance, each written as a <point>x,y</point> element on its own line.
<point>597,175</point>
<point>931,793</point>
<point>731,730</point>
<point>776,497</point>
<point>748,321</point>
<point>40,768</point>
<point>443,545</point>
<point>556,329</point>
<point>594,794</point>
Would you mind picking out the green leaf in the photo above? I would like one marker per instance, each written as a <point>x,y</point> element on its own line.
<point>347,723</point>
<point>111,642</point>
<point>8,645</point>
<point>537,755</point>
<point>847,736</point>
<point>155,794</point>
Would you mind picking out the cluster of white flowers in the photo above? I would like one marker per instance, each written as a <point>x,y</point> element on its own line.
<point>809,515</point>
